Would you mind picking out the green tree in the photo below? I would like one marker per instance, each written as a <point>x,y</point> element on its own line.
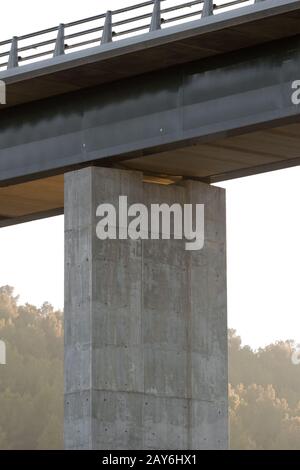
<point>263,396</point>
<point>31,384</point>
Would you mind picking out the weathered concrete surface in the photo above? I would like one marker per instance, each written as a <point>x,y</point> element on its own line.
<point>145,323</point>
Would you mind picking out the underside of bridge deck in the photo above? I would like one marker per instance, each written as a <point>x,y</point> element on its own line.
<point>214,161</point>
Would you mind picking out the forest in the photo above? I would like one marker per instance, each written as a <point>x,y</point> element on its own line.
<point>264,385</point>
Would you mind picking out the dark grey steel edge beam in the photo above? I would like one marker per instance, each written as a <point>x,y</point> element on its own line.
<point>224,96</point>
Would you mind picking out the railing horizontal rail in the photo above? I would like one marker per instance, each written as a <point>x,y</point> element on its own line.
<point>149,15</point>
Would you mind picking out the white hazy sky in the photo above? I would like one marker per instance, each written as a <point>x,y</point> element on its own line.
<point>262,211</point>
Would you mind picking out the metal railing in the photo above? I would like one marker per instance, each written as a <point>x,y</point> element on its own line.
<point>132,20</point>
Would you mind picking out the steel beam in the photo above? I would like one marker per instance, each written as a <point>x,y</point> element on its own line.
<point>222,96</point>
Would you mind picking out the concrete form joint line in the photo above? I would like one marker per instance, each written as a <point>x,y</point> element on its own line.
<point>148,394</point>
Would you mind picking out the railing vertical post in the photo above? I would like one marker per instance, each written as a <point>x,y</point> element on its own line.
<point>208,8</point>
<point>156,16</point>
<point>107,29</point>
<point>60,41</point>
<point>13,60</point>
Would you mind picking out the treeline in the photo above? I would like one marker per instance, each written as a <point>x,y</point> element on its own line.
<point>31,384</point>
<point>264,390</point>
<point>264,396</point>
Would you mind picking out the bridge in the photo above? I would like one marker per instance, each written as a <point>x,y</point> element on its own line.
<point>156,100</point>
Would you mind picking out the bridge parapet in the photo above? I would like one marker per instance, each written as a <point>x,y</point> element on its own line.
<point>111,26</point>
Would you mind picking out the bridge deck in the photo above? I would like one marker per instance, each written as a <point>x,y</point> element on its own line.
<point>201,103</point>
<point>233,30</point>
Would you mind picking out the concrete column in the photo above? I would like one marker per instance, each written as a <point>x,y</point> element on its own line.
<point>145,323</point>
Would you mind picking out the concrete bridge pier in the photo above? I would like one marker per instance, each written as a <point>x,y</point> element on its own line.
<point>145,323</point>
